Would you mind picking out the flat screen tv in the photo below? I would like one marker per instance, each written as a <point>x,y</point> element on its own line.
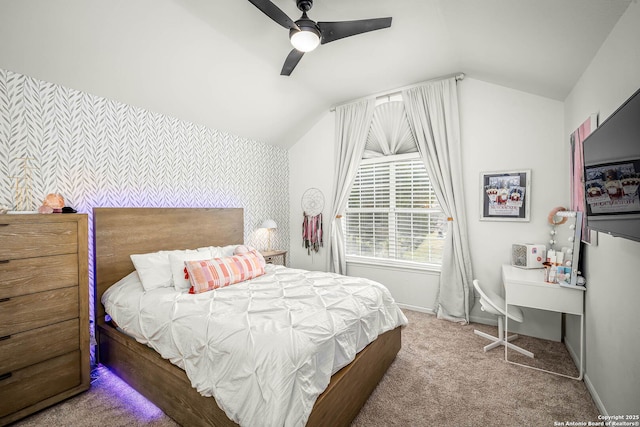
<point>612,173</point>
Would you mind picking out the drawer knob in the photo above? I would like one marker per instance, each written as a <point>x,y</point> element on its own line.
<point>5,376</point>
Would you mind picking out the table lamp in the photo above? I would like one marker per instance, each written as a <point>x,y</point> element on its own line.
<point>269,224</point>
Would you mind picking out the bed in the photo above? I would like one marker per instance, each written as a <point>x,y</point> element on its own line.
<point>120,232</point>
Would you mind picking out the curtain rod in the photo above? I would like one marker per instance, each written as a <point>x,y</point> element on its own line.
<point>457,76</point>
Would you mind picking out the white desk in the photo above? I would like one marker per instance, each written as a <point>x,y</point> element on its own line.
<point>527,288</point>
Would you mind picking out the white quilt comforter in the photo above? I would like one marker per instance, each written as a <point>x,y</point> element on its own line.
<point>265,348</point>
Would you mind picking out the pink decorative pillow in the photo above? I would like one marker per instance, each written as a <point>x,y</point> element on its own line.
<point>242,249</point>
<point>216,273</point>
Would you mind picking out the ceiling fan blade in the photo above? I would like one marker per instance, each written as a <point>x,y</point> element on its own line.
<point>290,63</point>
<point>274,12</point>
<point>332,31</point>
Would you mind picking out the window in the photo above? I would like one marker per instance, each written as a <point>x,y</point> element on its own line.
<point>393,213</point>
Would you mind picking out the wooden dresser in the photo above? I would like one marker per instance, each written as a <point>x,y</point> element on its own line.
<point>44,311</point>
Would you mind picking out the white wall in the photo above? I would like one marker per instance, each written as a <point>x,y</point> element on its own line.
<point>502,129</point>
<point>311,166</point>
<point>505,129</point>
<point>413,289</point>
<point>613,286</point>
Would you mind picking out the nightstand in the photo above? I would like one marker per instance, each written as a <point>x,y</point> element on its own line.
<point>271,257</point>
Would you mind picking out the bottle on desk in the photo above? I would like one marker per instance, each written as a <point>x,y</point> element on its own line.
<point>552,260</point>
<point>547,269</point>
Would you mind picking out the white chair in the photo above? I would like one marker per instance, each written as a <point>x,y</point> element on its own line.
<point>495,304</point>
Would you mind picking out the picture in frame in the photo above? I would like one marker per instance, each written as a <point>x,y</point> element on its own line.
<point>612,188</point>
<point>505,196</point>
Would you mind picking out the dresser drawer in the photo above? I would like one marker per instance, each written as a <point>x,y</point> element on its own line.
<point>30,385</point>
<point>37,310</point>
<point>30,275</point>
<point>27,348</point>
<point>28,240</point>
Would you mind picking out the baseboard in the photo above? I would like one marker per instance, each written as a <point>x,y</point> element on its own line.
<point>572,353</point>
<point>493,321</point>
<point>587,381</point>
<point>417,308</point>
<point>594,396</point>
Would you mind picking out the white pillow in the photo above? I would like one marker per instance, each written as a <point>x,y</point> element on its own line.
<point>214,251</point>
<point>177,259</point>
<point>220,251</point>
<point>228,250</point>
<point>153,269</point>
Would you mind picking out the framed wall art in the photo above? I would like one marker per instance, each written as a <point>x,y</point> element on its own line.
<point>505,196</point>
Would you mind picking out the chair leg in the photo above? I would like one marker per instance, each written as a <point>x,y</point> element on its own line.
<point>485,335</point>
<point>512,346</point>
<point>513,337</point>
<point>496,343</point>
<point>500,340</point>
<point>519,350</point>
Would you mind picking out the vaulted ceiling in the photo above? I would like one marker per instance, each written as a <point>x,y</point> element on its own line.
<point>217,62</point>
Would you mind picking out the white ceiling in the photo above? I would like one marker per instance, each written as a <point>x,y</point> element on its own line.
<point>217,62</point>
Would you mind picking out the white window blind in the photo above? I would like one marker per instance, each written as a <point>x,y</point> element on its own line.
<point>393,213</point>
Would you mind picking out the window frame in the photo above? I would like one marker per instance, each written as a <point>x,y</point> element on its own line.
<point>389,262</point>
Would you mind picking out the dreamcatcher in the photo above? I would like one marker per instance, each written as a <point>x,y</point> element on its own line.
<point>312,205</point>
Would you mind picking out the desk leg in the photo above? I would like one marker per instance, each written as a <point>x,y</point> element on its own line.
<point>581,347</point>
<point>506,348</point>
<point>581,368</point>
<point>506,329</point>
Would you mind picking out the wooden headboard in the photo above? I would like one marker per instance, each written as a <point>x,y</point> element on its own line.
<point>120,232</point>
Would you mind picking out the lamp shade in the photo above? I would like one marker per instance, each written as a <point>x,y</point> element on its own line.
<point>269,223</point>
<point>306,36</point>
<point>305,41</point>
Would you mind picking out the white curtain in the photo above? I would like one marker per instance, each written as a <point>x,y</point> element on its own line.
<point>352,126</point>
<point>432,110</point>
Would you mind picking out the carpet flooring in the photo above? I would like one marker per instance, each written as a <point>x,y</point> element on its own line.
<point>441,377</point>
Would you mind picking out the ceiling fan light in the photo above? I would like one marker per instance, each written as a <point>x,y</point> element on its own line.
<point>305,40</point>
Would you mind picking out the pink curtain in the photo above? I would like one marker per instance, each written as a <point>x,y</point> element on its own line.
<point>577,170</point>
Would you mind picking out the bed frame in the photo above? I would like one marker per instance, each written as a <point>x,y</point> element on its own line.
<point>119,232</point>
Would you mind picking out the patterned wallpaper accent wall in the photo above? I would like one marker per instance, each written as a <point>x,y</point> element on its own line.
<point>98,152</point>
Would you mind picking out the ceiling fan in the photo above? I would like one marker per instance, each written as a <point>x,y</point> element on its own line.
<point>306,35</point>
